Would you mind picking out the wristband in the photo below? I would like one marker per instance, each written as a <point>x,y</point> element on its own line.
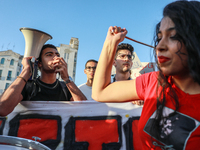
<point>68,80</point>
<point>22,78</point>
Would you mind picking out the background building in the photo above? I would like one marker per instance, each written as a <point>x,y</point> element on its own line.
<point>10,67</point>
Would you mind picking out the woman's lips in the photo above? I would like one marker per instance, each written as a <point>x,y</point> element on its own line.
<point>163,59</point>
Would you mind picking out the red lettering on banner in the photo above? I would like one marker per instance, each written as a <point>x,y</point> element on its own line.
<point>96,132</point>
<point>36,127</point>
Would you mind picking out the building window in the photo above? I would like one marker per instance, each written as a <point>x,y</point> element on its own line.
<point>75,57</point>
<point>0,74</point>
<point>64,55</point>
<point>75,66</point>
<point>67,57</point>
<point>2,60</point>
<point>7,85</point>
<point>9,75</point>
<point>12,62</point>
<point>17,73</point>
<point>74,73</point>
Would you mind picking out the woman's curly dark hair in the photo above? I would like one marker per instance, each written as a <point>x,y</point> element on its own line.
<point>186,17</point>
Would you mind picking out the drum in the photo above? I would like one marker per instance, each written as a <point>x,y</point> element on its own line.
<point>16,143</point>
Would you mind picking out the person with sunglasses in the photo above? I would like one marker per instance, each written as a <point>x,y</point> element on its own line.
<point>86,88</point>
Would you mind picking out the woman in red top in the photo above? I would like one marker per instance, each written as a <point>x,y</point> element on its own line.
<point>170,118</point>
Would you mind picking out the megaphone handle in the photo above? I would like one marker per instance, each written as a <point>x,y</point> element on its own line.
<point>31,65</point>
<point>34,75</point>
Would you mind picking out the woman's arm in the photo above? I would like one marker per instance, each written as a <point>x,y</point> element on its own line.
<point>102,90</point>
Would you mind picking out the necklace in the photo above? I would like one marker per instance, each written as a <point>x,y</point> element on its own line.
<point>40,83</point>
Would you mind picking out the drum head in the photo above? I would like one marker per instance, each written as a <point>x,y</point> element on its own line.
<point>16,143</point>
<point>8,147</point>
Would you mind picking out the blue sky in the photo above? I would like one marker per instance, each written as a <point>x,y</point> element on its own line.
<point>87,20</point>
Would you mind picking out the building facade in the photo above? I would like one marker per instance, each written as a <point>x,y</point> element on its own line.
<point>10,67</point>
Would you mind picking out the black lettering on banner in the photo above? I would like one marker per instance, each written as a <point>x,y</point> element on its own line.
<point>130,134</point>
<point>2,123</point>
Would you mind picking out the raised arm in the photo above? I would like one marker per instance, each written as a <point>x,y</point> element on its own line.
<point>102,90</point>
<point>12,96</point>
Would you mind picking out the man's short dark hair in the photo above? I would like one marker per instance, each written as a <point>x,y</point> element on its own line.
<point>124,46</point>
<point>90,60</point>
<point>44,47</point>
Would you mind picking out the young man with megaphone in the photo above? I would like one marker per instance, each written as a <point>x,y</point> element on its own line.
<point>46,87</point>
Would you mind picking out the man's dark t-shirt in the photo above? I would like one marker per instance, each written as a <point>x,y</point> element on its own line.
<point>47,92</point>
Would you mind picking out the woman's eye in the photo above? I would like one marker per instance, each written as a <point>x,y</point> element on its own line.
<point>158,39</point>
<point>173,37</point>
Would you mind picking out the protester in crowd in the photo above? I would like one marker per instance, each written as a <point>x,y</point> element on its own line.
<point>89,70</point>
<point>46,87</point>
<point>123,64</point>
<point>170,117</point>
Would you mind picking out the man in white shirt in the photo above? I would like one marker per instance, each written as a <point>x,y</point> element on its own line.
<point>89,70</point>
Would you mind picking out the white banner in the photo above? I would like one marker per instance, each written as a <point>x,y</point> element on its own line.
<point>72,125</point>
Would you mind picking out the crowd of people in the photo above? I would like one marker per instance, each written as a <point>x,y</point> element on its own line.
<point>170,118</point>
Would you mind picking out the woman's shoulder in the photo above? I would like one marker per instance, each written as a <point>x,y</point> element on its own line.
<point>150,75</point>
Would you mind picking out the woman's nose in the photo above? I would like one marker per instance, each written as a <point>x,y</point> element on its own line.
<point>161,45</point>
